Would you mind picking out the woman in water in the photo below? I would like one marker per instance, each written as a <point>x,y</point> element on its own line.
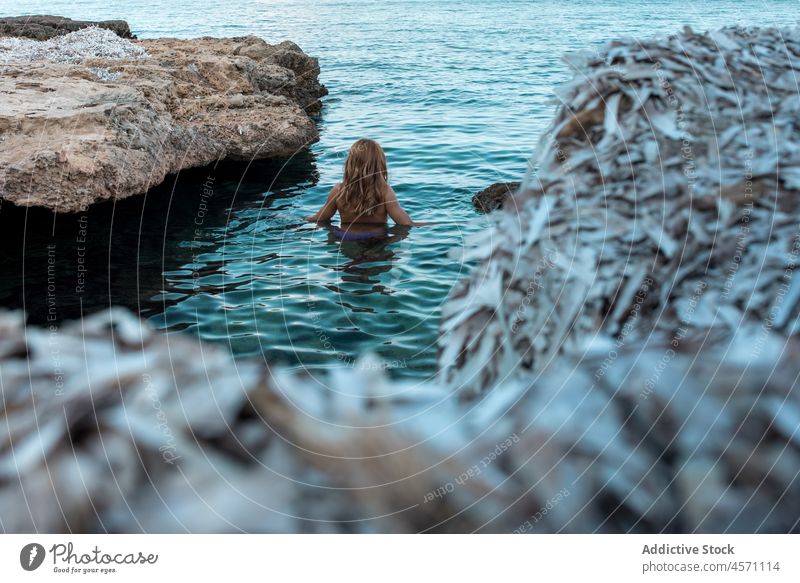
<point>363,198</point>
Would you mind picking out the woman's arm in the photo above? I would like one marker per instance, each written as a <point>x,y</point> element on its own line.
<point>395,211</point>
<point>328,209</point>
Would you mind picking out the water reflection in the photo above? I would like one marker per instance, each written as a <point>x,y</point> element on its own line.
<point>223,253</point>
<point>59,267</point>
<point>371,249</point>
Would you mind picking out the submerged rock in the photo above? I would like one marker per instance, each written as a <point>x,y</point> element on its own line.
<point>41,27</point>
<point>493,197</point>
<point>115,116</point>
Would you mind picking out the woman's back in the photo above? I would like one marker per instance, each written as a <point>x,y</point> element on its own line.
<point>374,214</point>
<point>364,195</point>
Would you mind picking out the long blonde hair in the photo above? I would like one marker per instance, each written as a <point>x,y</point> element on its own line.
<point>365,178</point>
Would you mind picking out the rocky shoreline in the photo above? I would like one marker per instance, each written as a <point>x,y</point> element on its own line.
<point>118,115</point>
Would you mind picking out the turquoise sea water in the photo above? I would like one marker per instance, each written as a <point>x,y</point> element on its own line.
<point>457,92</point>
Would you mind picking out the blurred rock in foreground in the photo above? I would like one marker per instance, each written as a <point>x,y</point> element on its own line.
<point>665,199</point>
<point>113,426</point>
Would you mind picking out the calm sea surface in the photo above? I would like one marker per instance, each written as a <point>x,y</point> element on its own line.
<point>457,92</point>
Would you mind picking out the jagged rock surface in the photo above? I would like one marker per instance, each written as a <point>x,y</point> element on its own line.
<point>140,434</point>
<point>72,134</point>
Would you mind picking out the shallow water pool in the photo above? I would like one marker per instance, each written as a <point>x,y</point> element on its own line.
<point>224,253</point>
<point>267,283</point>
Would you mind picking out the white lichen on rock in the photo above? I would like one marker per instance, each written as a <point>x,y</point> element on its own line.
<point>87,43</point>
<point>104,74</point>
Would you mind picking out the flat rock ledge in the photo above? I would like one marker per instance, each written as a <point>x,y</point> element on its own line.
<point>75,131</point>
<point>493,197</point>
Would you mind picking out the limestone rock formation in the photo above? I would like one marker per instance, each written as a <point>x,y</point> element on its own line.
<point>43,27</point>
<point>494,196</point>
<point>75,133</point>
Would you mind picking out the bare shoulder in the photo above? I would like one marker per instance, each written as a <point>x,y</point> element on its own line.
<point>389,194</point>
